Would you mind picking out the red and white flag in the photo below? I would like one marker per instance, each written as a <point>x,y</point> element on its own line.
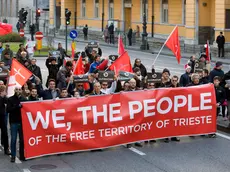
<point>121,49</point>
<point>123,63</point>
<point>18,77</point>
<point>208,55</point>
<point>173,43</point>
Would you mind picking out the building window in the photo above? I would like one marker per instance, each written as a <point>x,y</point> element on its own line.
<point>83,8</point>
<point>142,9</point>
<point>96,8</point>
<point>227,19</point>
<point>111,9</point>
<point>164,11</point>
<point>184,13</point>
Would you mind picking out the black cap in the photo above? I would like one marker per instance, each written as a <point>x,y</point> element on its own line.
<point>166,70</point>
<point>218,64</point>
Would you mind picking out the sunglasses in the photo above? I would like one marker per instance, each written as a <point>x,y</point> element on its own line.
<point>105,84</point>
<point>80,85</point>
<point>174,80</point>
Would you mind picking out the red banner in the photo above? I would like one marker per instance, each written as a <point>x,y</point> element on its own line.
<point>71,125</point>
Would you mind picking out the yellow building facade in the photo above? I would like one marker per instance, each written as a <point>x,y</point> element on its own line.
<point>198,20</point>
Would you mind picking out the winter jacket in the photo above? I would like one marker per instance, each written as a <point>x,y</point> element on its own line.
<point>20,58</point>
<point>130,33</point>
<point>220,95</point>
<point>1,50</point>
<point>9,51</point>
<point>215,72</point>
<point>36,71</point>
<point>82,92</point>
<point>62,78</point>
<point>204,80</point>
<point>142,68</point>
<point>93,66</point>
<point>3,101</point>
<point>220,40</point>
<point>47,94</point>
<point>223,83</point>
<point>185,79</point>
<point>14,109</point>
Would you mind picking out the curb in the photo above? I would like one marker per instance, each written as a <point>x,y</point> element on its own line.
<point>223,128</point>
<point>146,51</point>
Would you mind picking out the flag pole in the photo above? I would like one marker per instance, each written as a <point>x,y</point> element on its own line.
<point>163,46</point>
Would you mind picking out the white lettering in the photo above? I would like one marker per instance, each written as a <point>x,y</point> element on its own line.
<point>204,101</point>
<point>169,107</point>
<point>58,118</point>
<point>177,104</point>
<point>113,112</point>
<point>147,107</point>
<point>39,117</point>
<point>133,111</point>
<point>98,114</point>
<point>84,113</point>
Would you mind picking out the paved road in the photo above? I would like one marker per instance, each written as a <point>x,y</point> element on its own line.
<point>189,155</point>
<point>199,154</point>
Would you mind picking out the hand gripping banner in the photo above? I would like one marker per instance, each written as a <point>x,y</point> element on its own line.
<point>72,125</point>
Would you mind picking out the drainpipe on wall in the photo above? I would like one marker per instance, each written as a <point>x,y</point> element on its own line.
<point>75,14</point>
<point>103,15</point>
<point>152,18</point>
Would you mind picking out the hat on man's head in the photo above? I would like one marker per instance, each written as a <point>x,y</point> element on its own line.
<point>166,70</point>
<point>218,64</point>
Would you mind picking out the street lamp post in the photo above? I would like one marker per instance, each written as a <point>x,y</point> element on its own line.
<point>144,45</point>
<point>103,16</point>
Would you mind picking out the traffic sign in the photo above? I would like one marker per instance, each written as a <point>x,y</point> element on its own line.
<point>73,34</point>
<point>21,33</point>
<point>39,35</point>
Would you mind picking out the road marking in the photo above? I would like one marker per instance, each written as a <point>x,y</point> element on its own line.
<point>222,135</point>
<point>26,170</point>
<point>137,151</point>
<point>17,161</point>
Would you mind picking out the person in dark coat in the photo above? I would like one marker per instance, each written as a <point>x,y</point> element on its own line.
<point>63,75</point>
<point>8,50</point>
<point>14,109</point>
<point>96,90</point>
<point>3,125</point>
<point>192,62</point>
<point>185,78</point>
<point>53,69</point>
<point>50,93</point>
<point>85,32</point>
<point>22,55</point>
<point>129,35</point>
<point>226,84</point>
<point>220,40</point>
<point>64,93</point>
<point>111,33</point>
<point>62,52</point>
<point>138,63</point>
<point>205,77</point>
<point>217,71</point>
<point>35,69</point>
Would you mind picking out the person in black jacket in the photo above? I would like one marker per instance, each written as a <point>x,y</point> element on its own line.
<point>14,109</point>
<point>63,53</point>
<point>53,69</point>
<point>217,71</point>
<point>220,40</point>
<point>129,35</point>
<point>226,84</point>
<point>111,33</point>
<point>3,125</point>
<point>191,63</point>
<point>185,78</point>
<point>85,32</point>
<point>205,77</point>
<point>138,63</point>
<point>195,80</point>
<point>35,69</point>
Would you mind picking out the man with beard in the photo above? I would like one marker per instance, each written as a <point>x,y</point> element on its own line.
<point>138,63</point>
<point>34,95</point>
<point>14,109</point>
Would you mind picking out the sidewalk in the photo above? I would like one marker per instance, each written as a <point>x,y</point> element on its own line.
<point>165,50</point>
<point>223,125</point>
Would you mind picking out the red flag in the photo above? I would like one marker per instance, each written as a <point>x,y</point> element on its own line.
<point>173,43</point>
<point>79,70</point>
<point>122,64</point>
<point>121,48</point>
<point>208,52</point>
<point>79,67</point>
<point>18,77</point>
<point>103,65</point>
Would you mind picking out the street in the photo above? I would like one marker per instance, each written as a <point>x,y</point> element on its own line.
<point>190,154</point>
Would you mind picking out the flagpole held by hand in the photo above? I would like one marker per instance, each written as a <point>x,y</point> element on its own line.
<point>163,46</point>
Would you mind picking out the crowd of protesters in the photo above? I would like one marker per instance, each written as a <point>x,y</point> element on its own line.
<point>60,85</point>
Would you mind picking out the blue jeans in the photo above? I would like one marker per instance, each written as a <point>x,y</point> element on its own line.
<point>16,128</point>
